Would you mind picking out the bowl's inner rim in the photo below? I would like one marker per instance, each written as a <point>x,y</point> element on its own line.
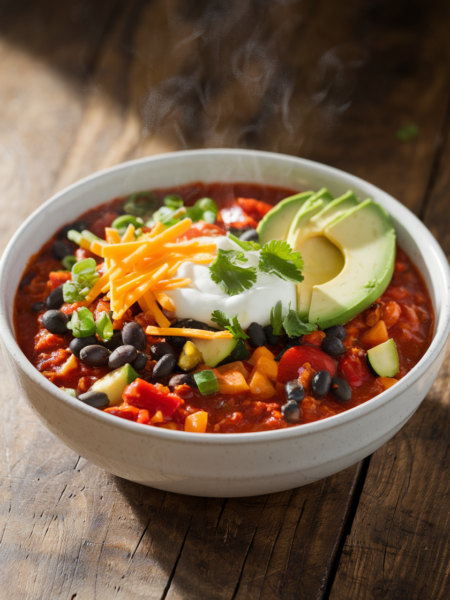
<point>437,279</point>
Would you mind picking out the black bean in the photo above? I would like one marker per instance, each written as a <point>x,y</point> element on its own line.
<point>184,379</point>
<point>55,321</point>
<point>55,299</point>
<point>95,355</point>
<point>291,412</point>
<point>95,399</point>
<point>160,349</point>
<point>336,331</point>
<point>140,361</point>
<point>176,340</point>
<point>193,324</point>
<point>320,385</point>
<point>61,249</point>
<point>27,279</point>
<point>271,338</point>
<point>340,390</point>
<point>134,335</point>
<point>256,334</point>
<point>77,225</point>
<point>121,356</point>
<point>290,342</point>
<point>37,306</point>
<point>295,392</point>
<point>164,366</point>
<point>332,346</point>
<point>115,341</point>
<point>251,235</point>
<point>77,344</point>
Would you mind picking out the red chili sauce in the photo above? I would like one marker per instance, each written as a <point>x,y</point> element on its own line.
<point>404,310</point>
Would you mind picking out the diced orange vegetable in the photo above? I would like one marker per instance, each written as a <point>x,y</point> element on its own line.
<point>378,334</point>
<point>157,418</point>
<point>387,382</point>
<point>238,365</point>
<point>261,351</point>
<point>391,313</point>
<point>268,366</point>
<point>232,382</point>
<point>196,422</point>
<point>260,385</point>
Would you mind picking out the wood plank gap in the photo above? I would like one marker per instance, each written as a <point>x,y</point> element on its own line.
<point>436,164</point>
<point>172,574</point>
<point>355,494</point>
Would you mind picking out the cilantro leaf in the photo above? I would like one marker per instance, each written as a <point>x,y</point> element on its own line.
<point>230,323</point>
<point>231,278</point>
<point>277,257</point>
<point>295,327</point>
<point>244,245</point>
<point>276,318</point>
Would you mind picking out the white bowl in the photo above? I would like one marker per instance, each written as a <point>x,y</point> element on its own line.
<point>234,464</point>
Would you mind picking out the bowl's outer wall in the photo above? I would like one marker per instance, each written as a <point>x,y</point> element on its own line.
<point>208,465</point>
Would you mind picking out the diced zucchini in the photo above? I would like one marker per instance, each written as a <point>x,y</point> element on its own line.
<point>222,351</point>
<point>113,384</point>
<point>69,391</point>
<point>190,356</point>
<point>384,359</point>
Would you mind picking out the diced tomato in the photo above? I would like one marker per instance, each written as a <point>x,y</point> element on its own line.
<point>355,370</point>
<point>254,208</point>
<point>315,338</point>
<point>142,394</point>
<point>68,309</point>
<point>131,413</point>
<point>292,361</point>
<point>201,228</point>
<point>57,278</point>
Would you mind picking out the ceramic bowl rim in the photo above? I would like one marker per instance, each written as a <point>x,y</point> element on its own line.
<point>442,324</point>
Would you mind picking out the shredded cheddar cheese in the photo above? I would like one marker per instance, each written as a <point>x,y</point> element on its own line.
<point>142,270</point>
<point>193,333</point>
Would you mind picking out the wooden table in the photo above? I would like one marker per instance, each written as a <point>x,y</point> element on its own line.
<point>85,85</point>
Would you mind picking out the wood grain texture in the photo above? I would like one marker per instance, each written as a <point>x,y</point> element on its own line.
<point>112,81</point>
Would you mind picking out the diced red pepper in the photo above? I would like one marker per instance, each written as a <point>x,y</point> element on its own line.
<point>142,394</point>
<point>254,208</point>
<point>57,278</point>
<point>355,370</point>
<point>292,361</point>
<point>202,229</point>
<point>131,413</point>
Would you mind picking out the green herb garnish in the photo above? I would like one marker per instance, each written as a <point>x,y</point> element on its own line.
<point>82,323</point>
<point>276,318</point>
<point>231,278</point>
<point>230,323</point>
<point>84,277</point>
<point>295,327</point>
<point>104,327</point>
<point>278,258</point>
<point>247,246</point>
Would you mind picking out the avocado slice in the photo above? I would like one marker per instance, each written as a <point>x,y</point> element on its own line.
<point>276,223</point>
<point>323,261</point>
<point>366,237</point>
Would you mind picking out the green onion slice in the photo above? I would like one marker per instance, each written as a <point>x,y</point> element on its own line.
<point>104,327</point>
<point>141,204</point>
<point>82,323</point>
<point>68,262</point>
<point>207,382</point>
<point>173,201</point>
<point>123,221</point>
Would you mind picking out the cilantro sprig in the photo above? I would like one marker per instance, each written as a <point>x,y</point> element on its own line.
<point>277,257</point>
<point>231,323</point>
<point>244,245</point>
<point>292,324</point>
<point>230,277</point>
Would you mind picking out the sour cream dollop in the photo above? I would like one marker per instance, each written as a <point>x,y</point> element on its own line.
<point>202,297</point>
